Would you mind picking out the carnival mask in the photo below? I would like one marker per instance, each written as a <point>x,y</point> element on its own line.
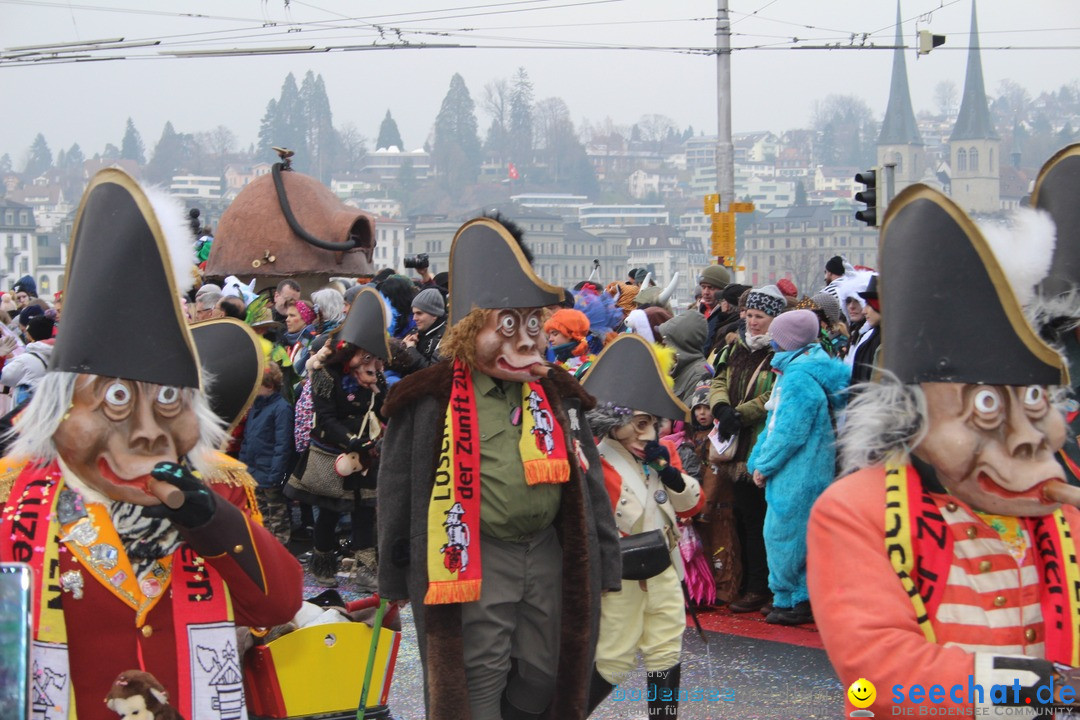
<point>993,445</point>
<point>365,367</point>
<point>635,434</point>
<point>508,345</point>
<point>116,431</point>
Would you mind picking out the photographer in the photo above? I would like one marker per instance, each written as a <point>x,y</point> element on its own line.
<point>422,345</point>
<point>422,266</point>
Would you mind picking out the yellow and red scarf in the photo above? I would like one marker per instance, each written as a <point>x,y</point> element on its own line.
<point>31,532</point>
<point>920,548</point>
<point>454,565</point>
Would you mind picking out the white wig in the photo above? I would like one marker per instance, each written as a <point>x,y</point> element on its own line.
<point>882,423</point>
<point>34,430</point>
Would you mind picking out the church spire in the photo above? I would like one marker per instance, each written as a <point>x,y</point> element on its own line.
<point>899,126</point>
<point>973,122</point>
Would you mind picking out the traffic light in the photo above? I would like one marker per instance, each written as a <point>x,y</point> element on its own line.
<point>869,196</point>
<point>928,41</point>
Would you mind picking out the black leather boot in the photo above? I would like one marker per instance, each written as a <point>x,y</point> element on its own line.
<point>599,688</point>
<point>663,693</point>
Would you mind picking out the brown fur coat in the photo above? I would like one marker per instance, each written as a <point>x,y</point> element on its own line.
<point>416,408</point>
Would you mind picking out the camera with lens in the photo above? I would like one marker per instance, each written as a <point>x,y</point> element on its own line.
<point>417,262</point>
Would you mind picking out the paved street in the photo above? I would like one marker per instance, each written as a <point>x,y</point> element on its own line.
<point>768,672</point>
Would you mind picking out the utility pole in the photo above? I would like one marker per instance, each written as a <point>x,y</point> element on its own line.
<point>725,150</point>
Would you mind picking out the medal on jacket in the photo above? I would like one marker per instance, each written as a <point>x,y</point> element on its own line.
<point>72,582</point>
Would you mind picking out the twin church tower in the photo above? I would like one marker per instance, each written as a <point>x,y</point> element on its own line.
<point>974,147</point>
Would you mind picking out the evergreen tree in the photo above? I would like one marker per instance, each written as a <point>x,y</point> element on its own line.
<point>168,158</point>
<point>389,135</point>
<point>131,147</point>
<point>75,157</point>
<point>406,182</point>
<point>800,195</point>
<point>319,134</point>
<point>5,164</point>
<point>289,124</point>
<point>41,158</point>
<point>456,151</point>
<point>111,152</point>
<point>521,120</point>
<point>267,130</point>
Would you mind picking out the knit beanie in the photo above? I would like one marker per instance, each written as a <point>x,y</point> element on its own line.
<point>40,328</point>
<point>795,329</point>
<point>768,299</point>
<point>700,396</point>
<point>733,292</point>
<point>307,313</point>
<point>352,292</point>
<point>431,301</point>
<point>716,275</point>
<point>835,265</point>
<point>571,323</point>
<point>829,305</point>
<point>28,312</point>
<point>787,288</point>
<point>27,285</point>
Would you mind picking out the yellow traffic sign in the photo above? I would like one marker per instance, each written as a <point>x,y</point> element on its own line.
<point>742,207</point>
<point>711,201</point>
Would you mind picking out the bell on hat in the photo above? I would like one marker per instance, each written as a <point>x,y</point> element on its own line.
<point>231,356</point>
<point>365,325</point>
<point>984,338</point>
<point>1056,191</point>
<point>488,269</point>
<point>627,374</point>
<point>125,238</point>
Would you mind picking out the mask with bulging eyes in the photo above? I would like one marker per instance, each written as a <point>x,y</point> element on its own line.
<point>117,430</point>
<point>993,446</point>
<point>508,345</point>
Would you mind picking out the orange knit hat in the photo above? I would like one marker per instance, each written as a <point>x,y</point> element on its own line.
<point>571,323</point>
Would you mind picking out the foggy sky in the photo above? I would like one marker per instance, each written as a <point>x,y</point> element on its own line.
<point>89,103</point>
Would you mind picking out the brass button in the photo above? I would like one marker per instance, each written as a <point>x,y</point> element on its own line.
<point>147,631</point>
<point>1029,634</point>
<point>985,566</point>
<point>238,549</point>
<point>951,506</point>
<point>1000,601</point>
<point>971,533</point>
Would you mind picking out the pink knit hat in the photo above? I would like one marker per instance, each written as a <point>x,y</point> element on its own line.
<point>307,313</point>
<point>795,329</point>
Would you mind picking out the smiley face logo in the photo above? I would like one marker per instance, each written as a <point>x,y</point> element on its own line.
<point>862,693</point>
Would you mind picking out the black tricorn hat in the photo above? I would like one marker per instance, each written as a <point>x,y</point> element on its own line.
<point>119,243</point>
<point>365,325</point>
<point>1057,191</point>
<point>231,357</point>
<point>489,270</point>
<point>871,291</point>
<point>956,319</point>
<point>627,374</point>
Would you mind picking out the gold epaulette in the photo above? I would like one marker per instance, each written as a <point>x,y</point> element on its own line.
<point>10,467</point>
<point>230,471</point>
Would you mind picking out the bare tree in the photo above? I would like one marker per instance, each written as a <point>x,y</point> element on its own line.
<point>353,148</point>
<point>654,128</point>
<point>1013,103</point>
<point>496,101</point>
<point>945,94</point>
<point>217,143</point>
